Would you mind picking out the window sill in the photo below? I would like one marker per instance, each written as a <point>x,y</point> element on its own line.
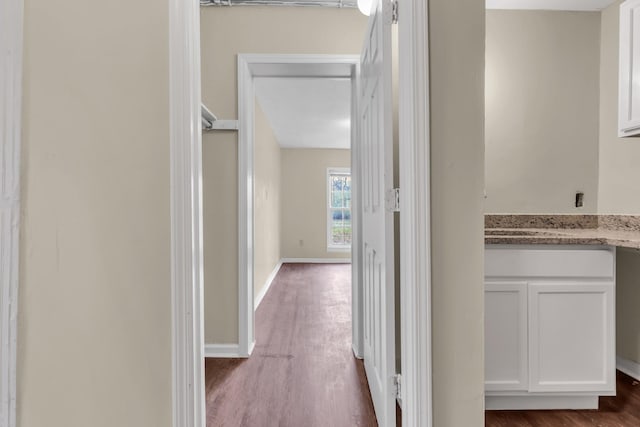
<point>338,248</point>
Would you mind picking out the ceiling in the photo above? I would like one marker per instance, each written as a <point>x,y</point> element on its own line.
<point>307,112</point>
<point>549,4</point>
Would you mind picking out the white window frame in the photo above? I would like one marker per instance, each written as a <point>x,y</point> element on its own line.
<point>332,247</point>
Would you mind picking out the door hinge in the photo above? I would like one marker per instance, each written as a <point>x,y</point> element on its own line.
<point>394,11</point>
<point>397,387</point>
<point>393,200</point>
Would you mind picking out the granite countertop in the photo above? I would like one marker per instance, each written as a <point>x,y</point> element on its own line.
<point>613,230</point>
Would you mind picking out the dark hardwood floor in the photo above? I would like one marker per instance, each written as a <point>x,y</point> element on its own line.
<point>302,372</point>
<point>622,410</point>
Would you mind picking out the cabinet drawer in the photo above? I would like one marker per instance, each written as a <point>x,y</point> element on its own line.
<point>596,262</point>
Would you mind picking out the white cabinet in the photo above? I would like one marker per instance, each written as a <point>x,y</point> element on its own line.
<point>549,326</point>
<point>629,81</point>
<point>571,330</point>
<point>506,366</point>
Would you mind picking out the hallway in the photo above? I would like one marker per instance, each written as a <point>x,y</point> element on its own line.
<point>302,371</point>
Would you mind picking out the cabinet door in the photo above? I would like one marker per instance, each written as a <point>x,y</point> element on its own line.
<point>571,337</point>
<point>505,325</point>
<point>629,79</point>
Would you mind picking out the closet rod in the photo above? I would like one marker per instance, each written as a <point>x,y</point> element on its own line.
<point>211,122</point>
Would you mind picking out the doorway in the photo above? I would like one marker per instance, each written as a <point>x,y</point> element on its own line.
<point>414,145</point>
<point>302,175</point>
<point>252,68</point>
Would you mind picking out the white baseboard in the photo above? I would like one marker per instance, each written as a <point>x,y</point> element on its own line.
<point>629,367</point>
<point>267,285</point>
<point>355,353</point>
<point>316,260</point>
<point>222,350</point>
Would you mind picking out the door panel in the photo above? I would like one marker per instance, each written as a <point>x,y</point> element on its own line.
<point>506,341</point>
<point>375,120</point>
<point>571,333</point>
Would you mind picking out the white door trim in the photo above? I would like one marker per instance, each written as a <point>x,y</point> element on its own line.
<point>415,213</point>
<point>186,215</point>
<point>11,48</point>
<point>266,65</point>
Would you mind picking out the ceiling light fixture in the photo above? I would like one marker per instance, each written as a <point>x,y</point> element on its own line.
<point>365,6</point>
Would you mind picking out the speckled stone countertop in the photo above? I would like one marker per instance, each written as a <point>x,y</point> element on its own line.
<point>614,230</point>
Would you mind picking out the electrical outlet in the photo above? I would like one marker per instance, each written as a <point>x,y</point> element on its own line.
<point>579,199</point>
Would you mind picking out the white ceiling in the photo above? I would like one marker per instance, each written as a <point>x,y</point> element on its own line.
<point>307,112</point>
<point>549,4</point>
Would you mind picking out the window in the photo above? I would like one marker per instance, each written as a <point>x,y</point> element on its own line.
<point>338,209</point>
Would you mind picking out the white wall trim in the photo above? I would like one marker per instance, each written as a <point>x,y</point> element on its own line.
<point>415,216</point>
<point>222,351</point>
<point>267,284</point>
<point>357,310</point>
<point>186,214</point>
<point>629,367</point>
<point>249,67</point>
<point>246,120</point>
<point>11,49</point>
<point>11,19</point>
<point>316,260</point>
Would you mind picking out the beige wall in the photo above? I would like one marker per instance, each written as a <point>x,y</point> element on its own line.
<point>457,174</point>
<point>225,33</point>
<point>266,206</point>
<point>619,171</point>
<point>304,201</point>
<point>619,178</point>
<point>94,325</point>
<point>542,80</point>
<point>220,212</point>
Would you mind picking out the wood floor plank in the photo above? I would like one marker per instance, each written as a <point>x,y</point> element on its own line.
<point>302,371</point>
<point>622,410</point>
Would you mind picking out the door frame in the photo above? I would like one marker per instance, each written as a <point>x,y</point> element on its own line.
<point>415,213</point>
<point>185,151</point>
<point>11,48</point>
<point>251,66</point>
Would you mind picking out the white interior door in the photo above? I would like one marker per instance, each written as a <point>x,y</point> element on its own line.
<point>375,107</point>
